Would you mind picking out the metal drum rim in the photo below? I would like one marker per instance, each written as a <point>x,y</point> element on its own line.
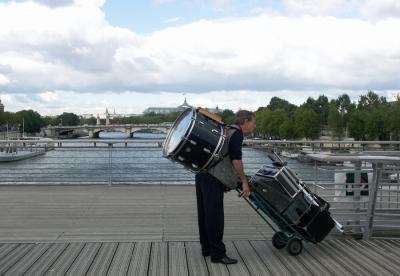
<point>173,152</point>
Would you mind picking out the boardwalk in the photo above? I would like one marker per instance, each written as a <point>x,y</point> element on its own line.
<point>98,230</point>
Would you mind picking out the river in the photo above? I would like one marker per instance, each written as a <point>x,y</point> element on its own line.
<point>77,163</point>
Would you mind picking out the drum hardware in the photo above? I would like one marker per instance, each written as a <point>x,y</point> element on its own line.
<point>193,142</point>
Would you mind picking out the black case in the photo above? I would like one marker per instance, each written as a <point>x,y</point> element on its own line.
<point>282,192</point>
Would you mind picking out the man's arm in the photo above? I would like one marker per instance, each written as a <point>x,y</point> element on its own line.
<point>238,165</point>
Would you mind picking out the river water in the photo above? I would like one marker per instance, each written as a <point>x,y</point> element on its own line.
<point>134,163</point>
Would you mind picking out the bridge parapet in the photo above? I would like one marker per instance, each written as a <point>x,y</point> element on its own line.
<point>94,130</point>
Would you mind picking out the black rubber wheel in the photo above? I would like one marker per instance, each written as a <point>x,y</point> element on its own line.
<point>294,246</point>
<point>278,241</point>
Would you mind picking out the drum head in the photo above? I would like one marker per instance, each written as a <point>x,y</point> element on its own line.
<point>177,132</point>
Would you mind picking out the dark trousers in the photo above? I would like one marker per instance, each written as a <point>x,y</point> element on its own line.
<point>210,213</point>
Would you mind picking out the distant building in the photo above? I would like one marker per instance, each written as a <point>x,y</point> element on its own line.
<point>1,107</point>
<point>104,115</point>
<point>180,108</point>
<point>167,110</point>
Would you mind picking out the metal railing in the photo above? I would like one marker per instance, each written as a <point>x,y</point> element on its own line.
<point>365,210</point>
<point>364,194</point>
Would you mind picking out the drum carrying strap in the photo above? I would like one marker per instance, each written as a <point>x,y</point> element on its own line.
<point>223,169</point>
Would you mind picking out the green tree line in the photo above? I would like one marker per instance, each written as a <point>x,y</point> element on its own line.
<point>371,118</point>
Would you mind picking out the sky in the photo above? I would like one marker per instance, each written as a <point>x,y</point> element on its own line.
<point>84,56</point>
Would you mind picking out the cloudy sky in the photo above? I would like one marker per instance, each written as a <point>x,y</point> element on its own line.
<point>85,55</point>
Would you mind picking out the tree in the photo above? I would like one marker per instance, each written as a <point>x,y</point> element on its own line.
<point>68,119</point>
<point>371,100</point>
<point>377,125</point>
<point>335,120</point>
<point>306,123</point>
<point>228,116</point>
<point>358,124</point>
<point>262,121</point>
<point>30,120</point>
<point>394,120</point>
<point>322,107</point>
<point>278,103</point>
<point>49,121</point>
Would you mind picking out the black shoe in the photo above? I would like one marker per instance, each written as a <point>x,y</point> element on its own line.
<point>205,253</point>
<point>225,260</point>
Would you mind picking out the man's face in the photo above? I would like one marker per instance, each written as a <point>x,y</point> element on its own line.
<point>249,126</point>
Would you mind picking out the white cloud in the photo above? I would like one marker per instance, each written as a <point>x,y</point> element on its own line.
<point>73,48</point>
<point>316,7</point>
<point>381,9</point>
<point>3,80</point>
<point>48,96</point>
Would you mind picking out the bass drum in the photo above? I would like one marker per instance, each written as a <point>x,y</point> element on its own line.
<point>194,141</point>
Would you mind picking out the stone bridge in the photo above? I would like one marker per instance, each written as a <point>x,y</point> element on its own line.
<point>93,131</point>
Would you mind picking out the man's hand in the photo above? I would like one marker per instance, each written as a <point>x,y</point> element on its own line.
<point>245,190</point>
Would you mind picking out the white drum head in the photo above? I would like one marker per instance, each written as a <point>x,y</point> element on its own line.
<point>177,132</point>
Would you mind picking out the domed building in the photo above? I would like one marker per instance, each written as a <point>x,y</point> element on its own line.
<point>179,108</point>
<point>167,110</point>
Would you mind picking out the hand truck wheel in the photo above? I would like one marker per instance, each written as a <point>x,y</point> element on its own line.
<point>278,240</point>
<point>294,246</point>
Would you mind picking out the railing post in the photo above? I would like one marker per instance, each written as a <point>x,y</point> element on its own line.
<point>315,176</point>
<point>373,191</point>
<point>110,147</point>
<point>357,197</point>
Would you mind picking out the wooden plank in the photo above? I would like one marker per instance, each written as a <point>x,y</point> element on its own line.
<point>64,261</point>
<point>158,259</point>
<point>8,261</point>
<point>47,259</point>
<point>103,259</point>
<point>363,258</point>
<point>120,263</point>
<point>326,258</point>
<point>390,247</point>
<point>83,261</point>
<point>381,249</point>
<point>311,264</point>
<point>196,262</point>
<point>251,259</point>
<point>292,263</point>
<point>350,264</point>
<point>268,256</point>
<point>28,260</point>
<point>140,259</point>
<point>240,268</point>
<point>7,248</point>
<point>177,263</point>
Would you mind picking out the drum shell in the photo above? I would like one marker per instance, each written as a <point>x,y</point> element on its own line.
<point>200,145</point>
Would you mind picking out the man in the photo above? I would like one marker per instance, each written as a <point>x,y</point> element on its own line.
<point>210,194</point>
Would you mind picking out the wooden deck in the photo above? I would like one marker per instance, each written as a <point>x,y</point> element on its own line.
<point>142,230</point>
